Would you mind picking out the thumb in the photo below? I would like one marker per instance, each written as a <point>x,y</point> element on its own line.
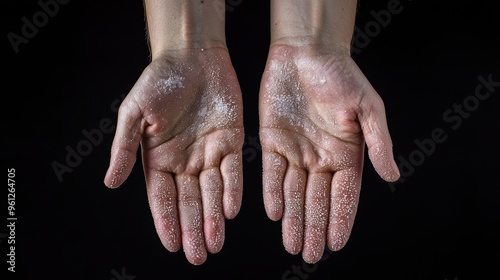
<point>376,133</point>
<point>125,144</point>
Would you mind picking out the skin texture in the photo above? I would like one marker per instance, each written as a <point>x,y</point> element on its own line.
<point>185,112</point>
<point>317,109</point>
<point>317,112</point>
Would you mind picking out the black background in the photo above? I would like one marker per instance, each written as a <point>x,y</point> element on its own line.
<point>441,223</point>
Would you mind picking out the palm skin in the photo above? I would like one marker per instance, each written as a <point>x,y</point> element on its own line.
<point>185,111</point>
<point>317,110</point>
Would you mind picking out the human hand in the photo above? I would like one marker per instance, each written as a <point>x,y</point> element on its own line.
<point>185,111</point>
<point>317,109</point>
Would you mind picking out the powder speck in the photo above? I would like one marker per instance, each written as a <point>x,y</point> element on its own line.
<point>202,112</point>
<point>344,198</point>
<point>222,107</point>
<point>173,81</point>
<point>286,97</point>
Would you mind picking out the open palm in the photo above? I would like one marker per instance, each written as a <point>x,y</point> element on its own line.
<point>317,111</point>
<point>185,111</point>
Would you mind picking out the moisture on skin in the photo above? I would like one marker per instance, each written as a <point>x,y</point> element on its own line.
<point>288,103</point>
<point>344,203</point>
<point>162,196</point>
<point>311,122</point>
<point>211,195</point>
<point>274,165</point>
<point>293,216</point>
<point>316,216</point>
<point>120,169</point>
<point>185,112</point>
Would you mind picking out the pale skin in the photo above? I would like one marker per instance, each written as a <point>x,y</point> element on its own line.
<point>317,111</point>
<point>185,111</point>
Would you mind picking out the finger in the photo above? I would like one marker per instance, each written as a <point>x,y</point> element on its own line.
<point>344,194</point>
<point>232,179</point>
<point>162,197</point>
<point>317,202</point>
<point>125,144</point>
<point>213,216</point>
<point>378,140</point>
<point>191,215</point>
<point>274,168</point>
<point>293,216</point>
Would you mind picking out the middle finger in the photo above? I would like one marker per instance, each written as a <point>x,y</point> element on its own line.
<point>191,218</point>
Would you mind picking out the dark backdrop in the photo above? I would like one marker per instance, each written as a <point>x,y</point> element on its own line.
<point>440,223</point>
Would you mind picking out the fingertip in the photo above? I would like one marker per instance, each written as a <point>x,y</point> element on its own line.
<point>214,236</point>
<point>274,216</point>
<point>292,235</point>
<point>198,260</point>
<point>110,181</point>
<point>311,258</point>
<point>273,205</point>
<point>337,240</point>
<point>392,178</point>
<point>382,159</point>
<point>393,175</point>
<point>214,248</point>
<point>231,209</point>
<point>313,247</point>
<point>292,249</point>
<point>121,164</point>
<point>195,248</point>
<point>171,242</point>
<point>396,172</point>
<point>172,247</point>
<point>273,201</point>
<point>273,208</point>
<point>337,245</point>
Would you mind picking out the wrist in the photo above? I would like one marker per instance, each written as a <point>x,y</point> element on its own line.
<point>187,24</point>
<point>323,24</point>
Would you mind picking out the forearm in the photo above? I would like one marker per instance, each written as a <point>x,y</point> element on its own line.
<point>324,23</point>
<point>181,24</point>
